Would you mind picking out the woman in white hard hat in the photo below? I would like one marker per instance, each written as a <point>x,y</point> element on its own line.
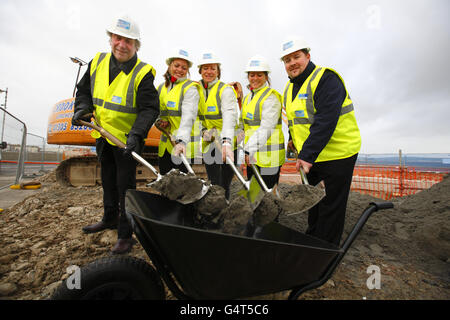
<point>179,103</point>
<point>219,116</point>
<point>261,121</point>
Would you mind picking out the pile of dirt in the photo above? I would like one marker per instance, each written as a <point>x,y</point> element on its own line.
<point>42,237</point>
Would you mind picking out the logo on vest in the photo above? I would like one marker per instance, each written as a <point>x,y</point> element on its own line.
<point>249,116</point>
<point>212,109</point>
<point>171,104</point>
<point>116,99</point>
<point>299,114</point>
<point>303,96</point>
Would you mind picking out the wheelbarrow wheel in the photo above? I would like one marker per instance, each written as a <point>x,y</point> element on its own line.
<point>113,278</point>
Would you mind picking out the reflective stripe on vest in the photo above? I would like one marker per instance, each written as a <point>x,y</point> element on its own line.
<point>212,119</point>
<point>272,153</point>
<point>300,111</point>
<point>174,117</point>
<point>114,103</point>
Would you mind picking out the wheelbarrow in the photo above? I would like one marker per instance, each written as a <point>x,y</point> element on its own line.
<point>204,264</point>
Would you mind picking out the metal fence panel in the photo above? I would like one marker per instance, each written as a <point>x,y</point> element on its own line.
<point>12,151</point>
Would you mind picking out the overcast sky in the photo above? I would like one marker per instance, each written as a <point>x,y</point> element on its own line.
<point>393,55</point>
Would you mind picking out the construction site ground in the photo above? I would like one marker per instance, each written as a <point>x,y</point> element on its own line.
<point>41,237</point>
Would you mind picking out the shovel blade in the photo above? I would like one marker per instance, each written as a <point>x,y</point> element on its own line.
<point>319,193</point>
<point>254,194</point>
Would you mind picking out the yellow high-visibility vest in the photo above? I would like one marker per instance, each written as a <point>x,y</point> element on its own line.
<point>346,139</point>
<point>273,153</point>
<point>210,112</point>
<point>170,110</point>
<point>115,103</point>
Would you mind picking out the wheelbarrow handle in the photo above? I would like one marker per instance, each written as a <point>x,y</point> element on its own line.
<point>170,137</point>
<point>120,144</point>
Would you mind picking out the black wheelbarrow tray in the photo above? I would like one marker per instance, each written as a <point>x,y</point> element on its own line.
<point>203,264</point>
<point>213,265</point>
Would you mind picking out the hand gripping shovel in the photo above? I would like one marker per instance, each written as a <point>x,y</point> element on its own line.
<point>122,145</point>
<point>252,190</point>
<point>205,186</point>
<point>136,156</point>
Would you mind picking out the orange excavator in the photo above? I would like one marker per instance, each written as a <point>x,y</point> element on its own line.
<point>80,167</point>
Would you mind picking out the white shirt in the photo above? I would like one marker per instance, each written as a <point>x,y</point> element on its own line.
<point>270,114</point>
<point>189,110</point>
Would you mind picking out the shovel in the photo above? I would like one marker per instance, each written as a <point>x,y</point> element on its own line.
<point>252,190</point>
<point>122,145</point>
<point>317,191</point>
<point>205,186</point>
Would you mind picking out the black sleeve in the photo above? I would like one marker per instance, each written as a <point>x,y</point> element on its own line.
<point>328,99</point>
<point>83,97</point>
<point>147,101</point>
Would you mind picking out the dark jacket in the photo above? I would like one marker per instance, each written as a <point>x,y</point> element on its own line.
<point>328,98</point>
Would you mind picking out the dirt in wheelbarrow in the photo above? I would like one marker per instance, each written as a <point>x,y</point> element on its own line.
<point>41,237</point>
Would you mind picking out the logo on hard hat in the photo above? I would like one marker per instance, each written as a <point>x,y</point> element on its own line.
<point>255,63</point>
<point>207,56</point>
<point>288,45</point>
<point>123,24</point>
<point>183,53</point>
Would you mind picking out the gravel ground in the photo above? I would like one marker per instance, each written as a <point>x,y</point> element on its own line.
<point>410,244</point>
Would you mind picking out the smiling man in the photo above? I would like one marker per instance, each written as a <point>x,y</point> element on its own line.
<point>118,88</point>
<point>324,132</point>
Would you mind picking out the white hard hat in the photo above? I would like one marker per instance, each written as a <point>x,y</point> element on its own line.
<point>180,54</point>
<point>125,26</point>
<point>257,63</point>
<point>208,57</point>
<point>293,44</point>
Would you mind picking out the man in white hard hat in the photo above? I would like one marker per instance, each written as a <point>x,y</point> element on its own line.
<point>118,88</point>
<point>324,132</point>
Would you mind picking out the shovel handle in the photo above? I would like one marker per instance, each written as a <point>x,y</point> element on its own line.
<point>170,137</point>
<point>260,179</point>
<point>245,183</point>
<point>120,144</point>
<point>304,179</point>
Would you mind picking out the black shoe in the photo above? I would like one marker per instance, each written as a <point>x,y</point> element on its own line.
<point>99,226</point>
<point>123,246</point>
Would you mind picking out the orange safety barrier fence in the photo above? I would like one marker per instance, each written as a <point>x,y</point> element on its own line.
<point>380,181</point>
<point>387,182</point>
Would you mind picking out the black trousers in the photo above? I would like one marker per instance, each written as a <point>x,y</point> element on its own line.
<point>118,173</point>
<point>219,173</point>
<point>168,162</point>
<point>270,176</point>
<point>326,219</point>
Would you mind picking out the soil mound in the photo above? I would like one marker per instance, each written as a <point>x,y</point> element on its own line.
<point>42,237</point>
